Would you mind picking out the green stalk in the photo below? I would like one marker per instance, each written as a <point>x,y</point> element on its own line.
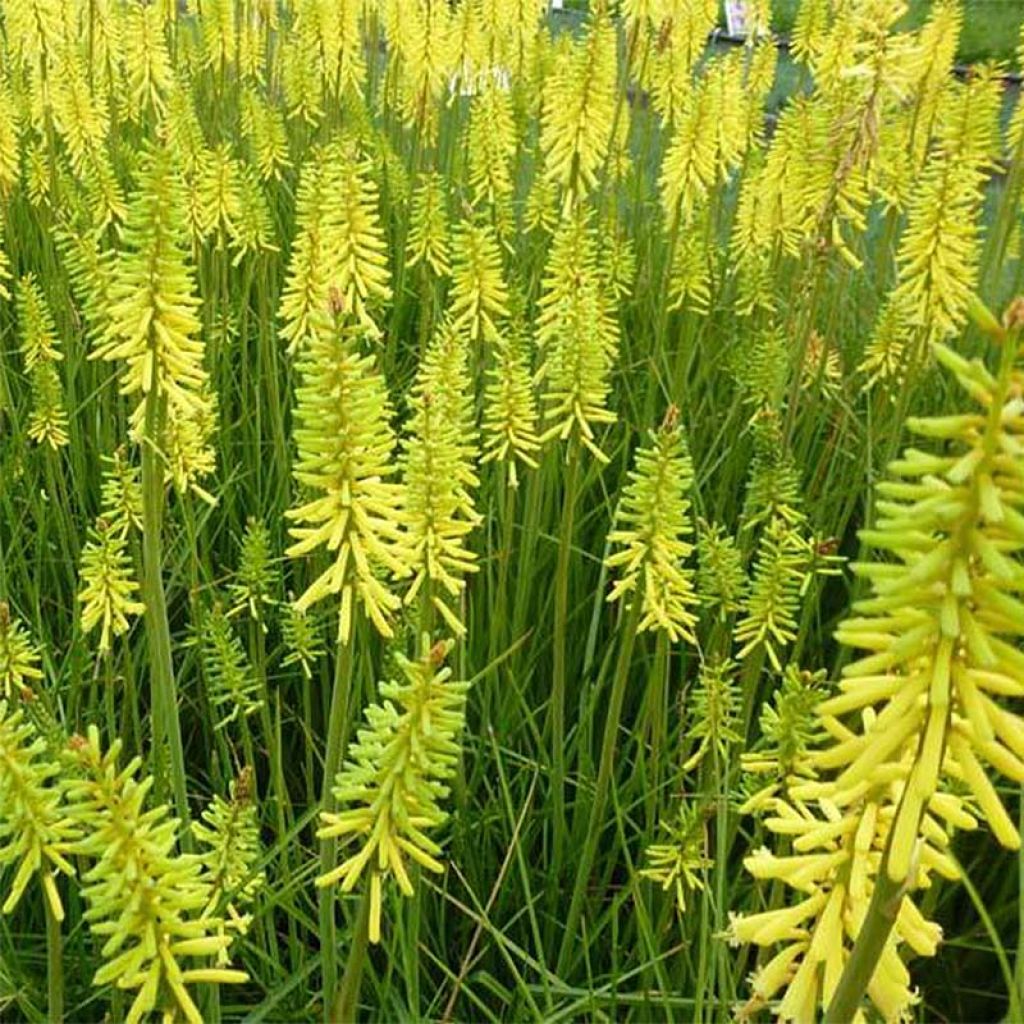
<point>344,1006</point>
<point>871,939</point>
<point>604,775</point>
<point>655,722</point>
<point>556,709</point>
<point>166,726</point>
<point>723,839</point>
<point>270,725</point>
<point>341,698</point>
<point>701,985</point>
<point>54,968</point>
<point>500,638</point>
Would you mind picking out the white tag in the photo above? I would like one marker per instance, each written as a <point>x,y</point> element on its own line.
<point>557,5</point>
<point>470,85</point>
<point>737,18</point>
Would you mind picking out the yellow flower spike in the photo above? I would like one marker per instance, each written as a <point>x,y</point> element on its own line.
<point>153,323</point>
<point>148,68</point>
<point>19,657</point>
<point>681,32</point>
<point>479,295</point>
<point>935,632</point>
<point>428,240</point>
<point>396,775</point>
<point>578,336</point>
<point>939,251</point>
<point>354,247</point>
<point>36,329</point>
<point>229,833</point>
<point>108,586</point>
<point>579,109</point>
<point>346,454</point>
<point>510,410</point>
<point>48,420</point>
<point>38,833</point>
<point>782,572</point>
<point>650,539</point>
<point>491,145</point>
<point>677,864</point>
<point>143,896</point>
<point>420,33</point>
<point>848,836</point>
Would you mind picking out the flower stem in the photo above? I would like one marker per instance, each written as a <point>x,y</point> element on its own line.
<point>604,775</point>
<point>54,968</point>
<point>867,950</point>
<point>344,1008</point>
<point>556,709</point>
<point>167,727</point>
<point>336,729</point>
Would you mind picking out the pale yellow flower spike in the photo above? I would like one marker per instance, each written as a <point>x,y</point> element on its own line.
<point>650,542</point>
<point>108,588</point>
<point>391,787</point>
<point>579,109</point>
<point>346,458</point>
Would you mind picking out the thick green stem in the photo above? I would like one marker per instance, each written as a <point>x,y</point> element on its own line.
<point>871,939</point>
<point>656,721</point>
<point>341,698</point>
<point>347,1000</point>
<point>604,776</point>
<point>166,726</point>
<point>54,968</point>
<point>270,721</point>
<point>556,709</point>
